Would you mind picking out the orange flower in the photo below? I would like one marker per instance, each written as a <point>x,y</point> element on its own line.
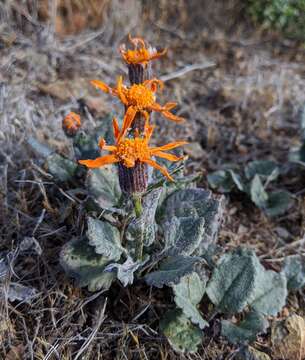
<point>129,151</point>
<point>71,123</point>
<point>140,54</point>
<point>139,97</point>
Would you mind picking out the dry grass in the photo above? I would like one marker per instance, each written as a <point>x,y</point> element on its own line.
<point>244,108</point>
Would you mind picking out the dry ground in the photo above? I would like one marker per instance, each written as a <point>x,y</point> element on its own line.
<point>246,107</point>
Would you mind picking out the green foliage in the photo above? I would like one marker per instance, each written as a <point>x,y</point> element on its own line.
<point>294,270</point>
<point>284,15</point>
<point>239,280</point>
<point>172,270</point>
<point>254,182</point>
<point>180,332</point>
<point>191,221</point>
<point>247,330</point>
<point>233,281</point>
<point>105,238</point>
<point>103,186</point>
<point>80,260</point>
<point>188,294</point>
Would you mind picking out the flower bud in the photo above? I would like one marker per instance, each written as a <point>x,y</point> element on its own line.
<point>71,124</point>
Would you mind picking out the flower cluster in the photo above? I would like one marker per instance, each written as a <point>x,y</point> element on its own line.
<point>131,149</point>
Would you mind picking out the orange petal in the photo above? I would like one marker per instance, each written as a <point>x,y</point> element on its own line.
<point>169,146</point>
<point>158,54</point>
<point>166,156</point>
<point>148,130</point>
<point>128,119</point>
<point>162,169</point>
<point>116,129</point>
<point>102,86</point>
<point>170,105</point>
<point>172,117</point>
<point>120,90</point>
<point>135,41</point>
<point>100,161</point>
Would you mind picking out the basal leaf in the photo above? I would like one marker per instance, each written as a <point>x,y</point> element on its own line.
<point>258,193</point>
<point>270,292</point>
<point>103,185</point>
<point>233,280</point>
<point>183,235</point>
<point>80,260</point>
<point>250,353</point>
<point>188,294</point>
<point>221,180</point>
<point>266,169</point>
<point>196,204</point>
<point>182,335</point>
<point>278,203</point>
<point>60,167</point>
<point>125,272</point>
<point>171,271</point>
<point>39,148</point>
<point>294,270</point>
<point>105,238</point>
<point>246,331</point>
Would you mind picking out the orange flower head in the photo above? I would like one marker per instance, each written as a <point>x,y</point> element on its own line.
<point>140,98</point>
<point>130,151</point>
<point>71,124</point>
<point>140,54</point>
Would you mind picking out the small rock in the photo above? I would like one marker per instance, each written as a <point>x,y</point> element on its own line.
<point>288,338</point>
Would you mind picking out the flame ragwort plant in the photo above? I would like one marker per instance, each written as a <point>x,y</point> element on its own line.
<point>158,227</point>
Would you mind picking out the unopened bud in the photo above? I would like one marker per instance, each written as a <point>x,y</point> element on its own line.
<point>71,124</point>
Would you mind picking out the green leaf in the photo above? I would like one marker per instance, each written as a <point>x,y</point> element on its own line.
<point>294,270</point>
<point>79,260</point>
<point>125,272</point>
<point>233,280</point>
<point>250,353</point>
<point>270,292</point>
<point>182,335</point>
<point>143,228</point>
<point>105,238</point>
<point>171,271</point>
<point>104,187</point>
<point>85,146</point>
<point>237,180</point>
<point>258,193</point>
<point>221,181</point>
<point>201,208</point>
<point>183,235</point>
<point>278,203</point>
<point>60,167</point>
<point>247,330</point>
<point>188,294</point>
<point>39,148</point>
<point>266,169</point>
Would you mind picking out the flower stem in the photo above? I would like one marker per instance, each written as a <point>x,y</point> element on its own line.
<point>137,201</point>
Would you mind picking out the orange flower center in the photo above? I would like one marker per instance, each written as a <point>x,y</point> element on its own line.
<point>130,150</point>
<point>140,97</point>
<point>137,56</point>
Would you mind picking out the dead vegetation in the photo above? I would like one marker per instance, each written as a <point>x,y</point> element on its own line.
<point>244,108</point>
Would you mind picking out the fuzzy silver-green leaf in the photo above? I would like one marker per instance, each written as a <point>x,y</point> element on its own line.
<point>188,294</point>
<point>105,238</point>
<point>233,280</point>
<point>247,330</point>
<point>182,335</point>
